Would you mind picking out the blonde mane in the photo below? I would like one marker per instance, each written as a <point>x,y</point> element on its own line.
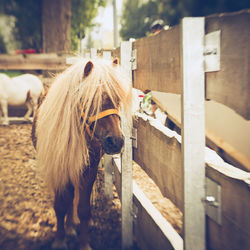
<point>62,150</point>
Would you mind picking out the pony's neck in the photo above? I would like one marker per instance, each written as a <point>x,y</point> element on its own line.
<point>95,147</point>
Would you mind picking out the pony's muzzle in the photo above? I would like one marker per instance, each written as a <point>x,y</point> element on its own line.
<point>113,144</point>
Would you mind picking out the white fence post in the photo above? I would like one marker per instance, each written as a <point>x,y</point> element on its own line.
<point>126,160</point>
<point>93,53</point>
<point>107,55</point>
<point>193,132</point>
<point>108,177</point>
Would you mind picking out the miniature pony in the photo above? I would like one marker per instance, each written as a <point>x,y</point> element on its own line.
<point>77,122</point>
<point>16,91</point>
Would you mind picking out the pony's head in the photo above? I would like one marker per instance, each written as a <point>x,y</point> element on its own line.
<point>83,104</point>
<point>103,123</point>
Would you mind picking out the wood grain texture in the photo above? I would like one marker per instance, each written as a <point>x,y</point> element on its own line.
<point>33,62</point>
<point>217,116</point>
<point>158,62</point>
<point>160,157</point>
<point>231,85</point>
<point>235,230</point>
<point>193,132</point>
<point>126,158</point>
<point>151,229</point>
<point>163,165</point>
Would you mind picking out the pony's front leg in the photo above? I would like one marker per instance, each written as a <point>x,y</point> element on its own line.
<point>62,205</point>
<point>4,106</point>
<point>84,211</point>
<point>29,111</point>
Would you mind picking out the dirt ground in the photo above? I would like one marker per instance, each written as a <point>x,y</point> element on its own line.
<point>27,219</point>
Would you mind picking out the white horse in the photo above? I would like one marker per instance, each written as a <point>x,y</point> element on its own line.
<point>16,91</point>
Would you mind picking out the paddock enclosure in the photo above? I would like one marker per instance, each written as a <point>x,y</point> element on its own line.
<point>197,196</point>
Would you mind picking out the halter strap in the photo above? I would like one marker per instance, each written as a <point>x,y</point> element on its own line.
<point>93,118</point>
<point>102,114</point>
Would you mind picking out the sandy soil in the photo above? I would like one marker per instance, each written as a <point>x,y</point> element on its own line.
<point>27,218</point>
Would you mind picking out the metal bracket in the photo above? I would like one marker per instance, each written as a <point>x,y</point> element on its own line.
<point>134,212</point>
<point>134,137</point>
<point>212,51</point>
<point>133,59</point>
<point>213,200</point>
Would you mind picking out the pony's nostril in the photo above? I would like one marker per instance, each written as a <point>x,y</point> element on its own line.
<point>114,144</point>
<point>114,141</point>
<point>109,140</point>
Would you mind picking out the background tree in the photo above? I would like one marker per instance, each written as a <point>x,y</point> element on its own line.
<point>28,15</point>
<point>83,13</point>
<point>2,45</point>
<point>56,17</point>
<point>136,18</point>
<point>138,15</point>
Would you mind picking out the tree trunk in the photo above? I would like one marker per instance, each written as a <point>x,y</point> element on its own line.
<point>56,16</point>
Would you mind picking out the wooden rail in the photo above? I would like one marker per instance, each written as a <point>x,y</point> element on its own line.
<point>33,62</point>
<point>151,229</point>
<point>158,62</point>
<point>163,165</point>
<point>237,155</point>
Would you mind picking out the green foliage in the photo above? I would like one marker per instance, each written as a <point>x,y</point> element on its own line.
<point>28,21</point>
<point>83,13</point>
<point>11,73</point>
<point>2,45</point>
<point>28,25</point>
<point>138,15</point>
<point>136,18</point>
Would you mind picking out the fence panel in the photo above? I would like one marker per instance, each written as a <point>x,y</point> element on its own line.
<point>33,62</point>
<point>158,62</point>
<point>230,85</point>
<point>159,155</point>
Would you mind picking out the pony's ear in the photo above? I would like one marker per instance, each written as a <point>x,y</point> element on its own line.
<point>88,68</point>
<point>116,61</point>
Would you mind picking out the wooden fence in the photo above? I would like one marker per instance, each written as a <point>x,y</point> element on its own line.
<point>212,194</point>
<point>33,62</point>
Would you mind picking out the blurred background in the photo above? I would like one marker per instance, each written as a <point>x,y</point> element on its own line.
<point>28,26</point>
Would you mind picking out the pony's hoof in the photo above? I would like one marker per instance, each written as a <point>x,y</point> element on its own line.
<point>59,244</point>
<point>85,247</point>
<point>71,232</point>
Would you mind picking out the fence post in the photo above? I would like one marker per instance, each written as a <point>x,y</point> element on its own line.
<point>108,177</point>
<point>93,53</point>
<point>108,167</point>
<point>107,55</point>
<point>126,160</point>
<point>193,132</point>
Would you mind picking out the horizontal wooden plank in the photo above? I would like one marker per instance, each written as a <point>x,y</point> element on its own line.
<point>151,229</point>
<point>231,142</point>
<point>234,233</point>
<point>33,62</point>
<point>234,182</point>
<point>163,152</point>
<point>158,62</point>
<point>230,85</point>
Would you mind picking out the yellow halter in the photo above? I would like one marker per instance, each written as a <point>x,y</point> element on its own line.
<point>101,115</point>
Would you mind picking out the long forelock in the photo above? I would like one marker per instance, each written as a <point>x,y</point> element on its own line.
<point>60,140</point>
